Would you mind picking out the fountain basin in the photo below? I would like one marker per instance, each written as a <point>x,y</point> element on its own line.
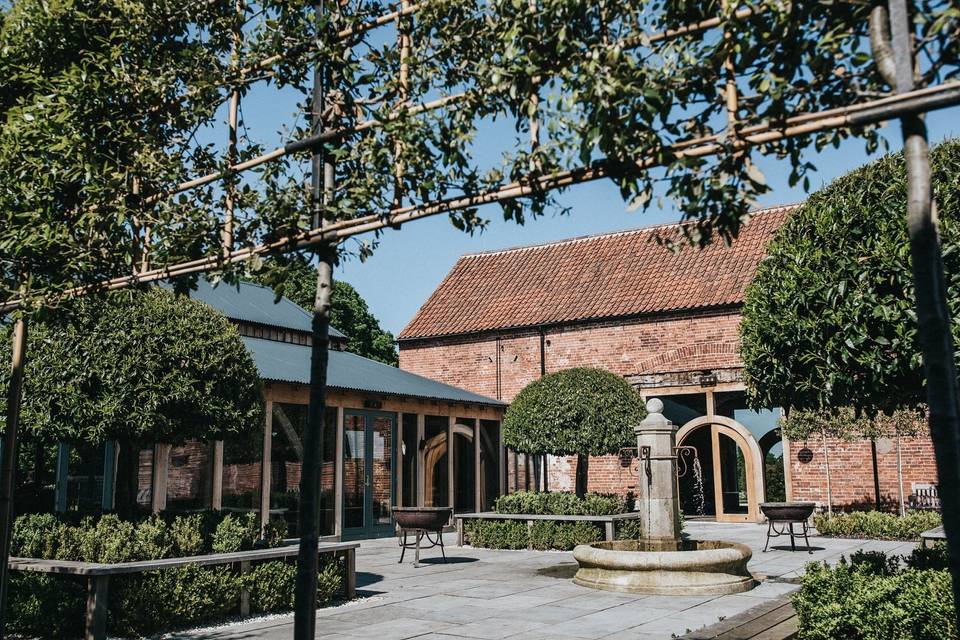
<point>669,567</point>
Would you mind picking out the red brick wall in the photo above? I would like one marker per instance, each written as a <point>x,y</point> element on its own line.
<point>851,471</point>
<point>661,345</point>
<point>686,342</point>
<point>607,474</point>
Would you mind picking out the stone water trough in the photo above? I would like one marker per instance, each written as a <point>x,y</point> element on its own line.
<point>661,561</point>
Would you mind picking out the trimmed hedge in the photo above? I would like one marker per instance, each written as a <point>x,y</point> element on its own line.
<point>563,503</point>
<point>48,606</point>
<point>876,524</point>
<point>876,597</point>
<point>546,534</point>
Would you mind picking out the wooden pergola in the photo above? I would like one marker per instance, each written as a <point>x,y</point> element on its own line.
<point>322,236</point>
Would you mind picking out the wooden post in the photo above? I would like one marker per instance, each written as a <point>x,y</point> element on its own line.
<point>477,472</point>
<point>451,492</point>
<point>96,617</point>
<point>244,592</point>
<point>109,475</point>
<point>529,535</point>
<point>608,530</point>
<point>398,463</point>
<point>350,585</point>
<point>8,468</point>
<point>61,486</point>
<point>216,485</point>
<point>421,434</point>
<point>501,461</point>
<point>338,480</point>
<point>232,119</point>
<point>161,467</point>
<point>265,467</point>
<point>404,43</point>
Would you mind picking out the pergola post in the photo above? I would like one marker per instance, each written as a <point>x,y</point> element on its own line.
<point>421,475</point>
<point>8,467</point>
<point>62,477</point>
<point>451,494</point>
<point>109,474</point>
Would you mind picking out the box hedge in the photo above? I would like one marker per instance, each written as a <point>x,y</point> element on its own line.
<point>876,524</point>
<point>877,597</point>
<point>547,534</point>
<point>48,606</point>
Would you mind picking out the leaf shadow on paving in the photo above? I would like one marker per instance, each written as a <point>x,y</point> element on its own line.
<point>493,594</point>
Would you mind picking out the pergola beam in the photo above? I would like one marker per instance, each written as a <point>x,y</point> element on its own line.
<point>863,114</point>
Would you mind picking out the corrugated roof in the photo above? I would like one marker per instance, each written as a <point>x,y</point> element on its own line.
<point>286,362</point>
<point>251,302</point>
<point>595,277</point>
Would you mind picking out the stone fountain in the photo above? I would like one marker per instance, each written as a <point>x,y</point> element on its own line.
<point>661,561</point>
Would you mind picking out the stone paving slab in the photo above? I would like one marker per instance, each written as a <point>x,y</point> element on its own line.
<point>489,595</point>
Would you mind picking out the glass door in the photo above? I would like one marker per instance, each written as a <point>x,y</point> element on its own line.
<point>732,473</point>
<point>368,452</point>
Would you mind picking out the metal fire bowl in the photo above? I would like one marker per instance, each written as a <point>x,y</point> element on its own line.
<point>787,511</point>
<point>429,518</point>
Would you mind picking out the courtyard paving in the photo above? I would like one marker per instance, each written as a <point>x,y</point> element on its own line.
<point>488,594</point>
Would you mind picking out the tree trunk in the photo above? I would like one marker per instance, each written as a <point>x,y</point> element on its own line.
<point>8,468</point>
<point>128,480</point>
<point>583,472</point>
<point>933,315</point>
<point>322,183</point>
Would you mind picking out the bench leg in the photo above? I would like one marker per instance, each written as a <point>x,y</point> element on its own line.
<point>769,527</point>
<point>244,593</point>
<point>350,560</point>
<point>97,594</point>
<point>608,527</point>
<point>459,532</point>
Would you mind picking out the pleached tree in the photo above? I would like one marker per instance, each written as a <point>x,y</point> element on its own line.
<point>667,99</point>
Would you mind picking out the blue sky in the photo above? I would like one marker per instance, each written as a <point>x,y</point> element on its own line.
<point>411,262</point>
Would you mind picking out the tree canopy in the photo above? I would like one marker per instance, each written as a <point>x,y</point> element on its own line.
<point>140,367</point>
<point>101,102</point>
<point>295,278</point>
<point>829,318</point>
<point>581,411</point>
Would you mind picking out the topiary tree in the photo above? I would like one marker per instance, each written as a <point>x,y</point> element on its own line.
<point>829,318</point>
<point>140,367</point>
<point>582,412</point>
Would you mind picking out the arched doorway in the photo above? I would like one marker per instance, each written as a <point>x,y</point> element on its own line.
<point>774,473</point>
<point>731,466</point>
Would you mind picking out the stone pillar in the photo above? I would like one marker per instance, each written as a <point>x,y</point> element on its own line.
<point>658,499</point>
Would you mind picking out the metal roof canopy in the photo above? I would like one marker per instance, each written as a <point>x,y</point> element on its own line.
<point>286,362</point>
<point>252,302</point>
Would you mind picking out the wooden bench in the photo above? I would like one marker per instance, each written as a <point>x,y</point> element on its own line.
<point>771,620</point>
<point>607,521</point>
<point>931,537</point>
<point>98,574</point>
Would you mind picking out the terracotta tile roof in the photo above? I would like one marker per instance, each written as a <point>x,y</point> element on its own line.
<point>595,277</point>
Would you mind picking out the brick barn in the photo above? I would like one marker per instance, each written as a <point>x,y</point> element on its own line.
<point>393,438</point>
<point>669,323</point>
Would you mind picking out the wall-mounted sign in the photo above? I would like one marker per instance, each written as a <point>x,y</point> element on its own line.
<point>805,455</point>
<point>372,404</point>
